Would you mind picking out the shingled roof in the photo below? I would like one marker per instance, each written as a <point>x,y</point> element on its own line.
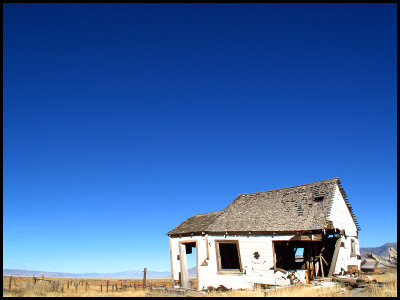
<point>294,208</point>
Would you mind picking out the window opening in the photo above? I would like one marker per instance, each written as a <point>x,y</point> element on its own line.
<point>228,256</point>
<point>191,259</point>
<point>299,255</point>
<point>353,248</point>
<point>319,199</point>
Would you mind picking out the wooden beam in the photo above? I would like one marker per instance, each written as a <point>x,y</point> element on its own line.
<point>184,270</point>
<point>301,238</point>
<point>322,266</point>
<point>207,248</point>
<point>144,278</point>
<point>335,256</point>
<point>274,254</point>
<point>172,262</point>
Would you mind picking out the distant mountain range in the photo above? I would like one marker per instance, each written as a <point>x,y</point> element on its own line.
<point>381,250</point>
<point>126,274</point>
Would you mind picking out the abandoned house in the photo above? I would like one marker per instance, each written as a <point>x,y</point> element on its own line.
<point>276,237</point>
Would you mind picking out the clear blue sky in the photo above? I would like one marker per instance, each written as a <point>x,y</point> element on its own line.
<point>122,120</point>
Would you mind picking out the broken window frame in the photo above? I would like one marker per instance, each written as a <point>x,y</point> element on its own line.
<point>292,261</point>
<point>219,268</point>
<point>353,250</point>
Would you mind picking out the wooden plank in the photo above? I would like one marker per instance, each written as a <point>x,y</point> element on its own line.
<point>322,265</point>
<point>197,265</point>
<point>335,256</point>
<point>301,238</point>
<point>172,261</point>
<point>207,247</point>
<point>274,255</point>
<point>184,270</point>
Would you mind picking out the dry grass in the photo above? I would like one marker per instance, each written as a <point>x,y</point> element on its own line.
<point>389,288</point>
<point>39,293</point>
<point>21,288</point>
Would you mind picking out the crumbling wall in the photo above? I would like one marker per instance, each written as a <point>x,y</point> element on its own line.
<point>256,254</point>
<point>345,257</point>
<point>342,219</point>
<point>340,215</point>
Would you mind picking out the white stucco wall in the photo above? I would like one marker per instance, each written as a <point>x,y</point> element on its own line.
<point>344,257</point>
<point>342,219</point>
<point>340,215</point>
<point>254,270</point>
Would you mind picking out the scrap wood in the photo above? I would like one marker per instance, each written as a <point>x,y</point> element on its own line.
<point>281,270</point>
<point>351,281</point>
<point>379,260</point>
<point>354,282</point>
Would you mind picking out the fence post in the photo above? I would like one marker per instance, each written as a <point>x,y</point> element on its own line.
<point>67,285</point>
<point>86,286</point>
<point>144,278</point>
<point>107,287</point>
<point>101,288</point>
<point>9,286</point>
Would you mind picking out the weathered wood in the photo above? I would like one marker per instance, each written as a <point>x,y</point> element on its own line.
<point>144,277</point>
<point>184,270</point>
<point>335,256</point>
<point>172,264</point>
<point>363,262</point>
<point>207,247</point>
<point>392,254</point>
<point>322,266</point>
<point>9,285</point>
<point>379,260</point>
<point>107,283</point>
<point>302,238</point>
<point>274,254</point>
<point>280,270</point>
<point>307,277</point>
<point>351,281</point>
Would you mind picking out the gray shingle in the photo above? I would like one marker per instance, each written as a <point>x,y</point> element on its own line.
<point>287,209</point>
